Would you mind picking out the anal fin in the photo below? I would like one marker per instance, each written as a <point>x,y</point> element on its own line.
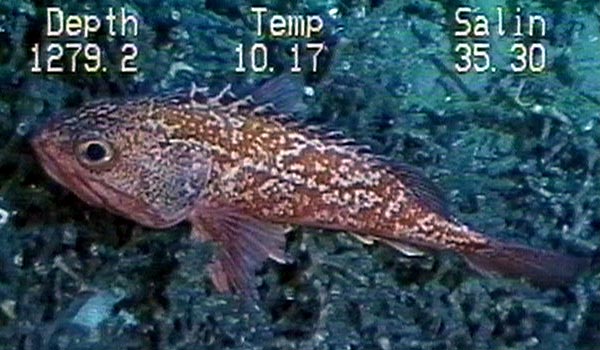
<point>244,243</point>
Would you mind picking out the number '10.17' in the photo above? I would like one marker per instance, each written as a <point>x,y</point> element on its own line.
<point>258,57</point>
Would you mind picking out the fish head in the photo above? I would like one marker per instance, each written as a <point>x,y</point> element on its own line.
<point>119,157</point>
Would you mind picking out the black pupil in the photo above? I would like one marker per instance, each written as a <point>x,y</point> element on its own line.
<point>95,152</point>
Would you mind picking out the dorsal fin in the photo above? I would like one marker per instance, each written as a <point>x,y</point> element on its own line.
<point>283,92</point>
<point>425,190</point>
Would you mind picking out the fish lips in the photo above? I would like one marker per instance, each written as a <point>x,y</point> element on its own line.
<point>61,171</point>
<point>65,172</point>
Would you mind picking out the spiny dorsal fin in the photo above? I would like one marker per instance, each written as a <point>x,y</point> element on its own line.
<point>284,93</point>
<point>425,190</point>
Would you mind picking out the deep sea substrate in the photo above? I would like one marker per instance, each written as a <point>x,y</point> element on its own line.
<point>517,155</point>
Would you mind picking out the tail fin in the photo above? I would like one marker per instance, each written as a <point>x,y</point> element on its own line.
<point>541,267</point>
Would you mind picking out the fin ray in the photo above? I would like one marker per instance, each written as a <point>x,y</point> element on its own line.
<point>368,240</point>
<point>406,249</point>
<point>541,267</point>
<point>244,244</point>
<point>283,92</point>
<point>424,189</point>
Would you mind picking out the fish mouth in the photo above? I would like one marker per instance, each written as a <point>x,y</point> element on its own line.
<point>89,190</point>
<point>62,173</point>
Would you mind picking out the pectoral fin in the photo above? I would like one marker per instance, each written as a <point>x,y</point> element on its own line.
<point>244,244</point>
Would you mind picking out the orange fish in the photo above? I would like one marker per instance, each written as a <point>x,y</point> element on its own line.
<point>241,172</point>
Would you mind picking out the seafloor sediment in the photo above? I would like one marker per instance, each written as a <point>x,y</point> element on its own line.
<point>516,154</point>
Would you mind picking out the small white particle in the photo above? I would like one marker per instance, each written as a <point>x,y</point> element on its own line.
<point>537,109</point>
<point>309,91</point>
<point>4,215</point>
<point>8,307</point>
<point>22,128</point>
<point>18,259</point>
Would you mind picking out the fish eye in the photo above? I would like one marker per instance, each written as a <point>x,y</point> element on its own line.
<point>95,153</point>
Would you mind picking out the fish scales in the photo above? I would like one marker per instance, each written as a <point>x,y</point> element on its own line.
<point>242,172</point>
<point>314,181</point>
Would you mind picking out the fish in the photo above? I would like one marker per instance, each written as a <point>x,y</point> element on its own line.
<point>243,172</point>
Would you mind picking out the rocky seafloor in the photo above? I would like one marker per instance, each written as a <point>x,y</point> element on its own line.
<point>516,154</point>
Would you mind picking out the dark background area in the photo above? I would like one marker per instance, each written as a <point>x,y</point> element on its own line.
<point>516,154</point>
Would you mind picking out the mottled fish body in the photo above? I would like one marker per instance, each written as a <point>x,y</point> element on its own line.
<point>241,171</point>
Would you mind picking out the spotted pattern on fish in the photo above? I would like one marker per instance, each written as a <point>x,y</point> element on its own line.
<point>241,171</point>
